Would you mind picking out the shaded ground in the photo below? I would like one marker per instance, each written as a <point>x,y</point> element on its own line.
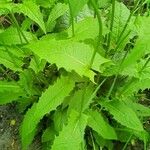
<point>9,124</point>
<point>10,121</point>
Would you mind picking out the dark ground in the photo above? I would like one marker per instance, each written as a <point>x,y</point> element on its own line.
<point>9,124</point>
<point>10,120</point>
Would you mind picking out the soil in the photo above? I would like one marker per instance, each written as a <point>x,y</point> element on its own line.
<point>10,121</point>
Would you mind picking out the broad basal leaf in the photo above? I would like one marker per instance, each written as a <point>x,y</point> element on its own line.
<point>9,91</point>
<point>69,55</point>
<point>123,114</point>
<point>71,136</point>
<point>50,99</point>
<point>98,124</point>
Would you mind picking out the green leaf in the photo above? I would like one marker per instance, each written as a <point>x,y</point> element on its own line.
<point>123,114</point>
<point>26,81</point>
<point>133,86</point>
<point>46,3</point>
<point>5,1</point>
<point>71,137</point>
<point>98,124</point>
<point>125,133</point>
<point>49,134</point>
<point>142,45</point>
<point>120,17</point>
<point>85,29</point>
<point>140,109</point>
<point>9,91</point>
<point>84,13</point>
<point>103,142</point>
<point>11,37</point>
<point>82,97</point>
<point>10,57</point>
<point>69,55</point>
<point>142,26</point>
<point>76,6</point>
<point>60,118</point>
<point>104,3</point>
<point>56,12</point>
<point>49,101</point>
<point>31,10</point>
<point>137,52</point>
<point>5,7</point>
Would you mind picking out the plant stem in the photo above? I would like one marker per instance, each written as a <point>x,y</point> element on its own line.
<point>100,31</point>
<point>118,45</point>
<point>71,19</point>
<point>132,80</point>
<point>144,66</point>
<point>111,26</point>
<point>112,86</point>
<point>92,139</point>
<point>120,39</point>
<point>21,33</point>
<point>126,144</point>
<point>128,20</point>
<point>18,28</point>
<point>116,76</point>
<point>96,90</point>
<point>145,143</point>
